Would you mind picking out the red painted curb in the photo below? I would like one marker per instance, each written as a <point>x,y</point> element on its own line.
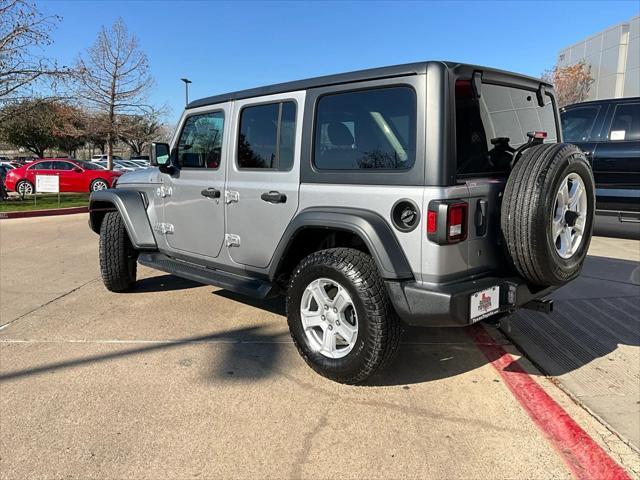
<point>43,213</point>
<point>584,457</point>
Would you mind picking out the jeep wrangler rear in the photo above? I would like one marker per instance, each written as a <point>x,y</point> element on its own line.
<point>429,194</point>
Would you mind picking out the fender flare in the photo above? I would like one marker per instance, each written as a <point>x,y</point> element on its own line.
<point>131,206</point>
<point>373,229</point>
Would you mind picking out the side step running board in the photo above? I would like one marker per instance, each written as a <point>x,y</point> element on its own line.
<point>251,287</point>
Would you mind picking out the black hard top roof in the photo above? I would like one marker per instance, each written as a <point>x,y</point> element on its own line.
<point>357,76</point>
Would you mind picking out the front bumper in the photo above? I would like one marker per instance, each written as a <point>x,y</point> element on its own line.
<point>449,305</point>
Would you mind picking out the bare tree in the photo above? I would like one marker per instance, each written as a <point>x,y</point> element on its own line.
<point>571,84</point>
<point>138,131</point>
<point>24,31</point>
<point>113,78</point>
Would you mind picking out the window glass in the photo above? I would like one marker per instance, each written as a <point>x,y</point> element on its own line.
<point>62,166</point>
<point>626,123</point>
<point>367,129</point>
<point>41,166</point>
<point>259,144</point>
<point>93,165</point>
<point>200,144</point>
<point>287,135</point>
<point>578,122</point>
<point>258,136</point>
<point>500,113</point>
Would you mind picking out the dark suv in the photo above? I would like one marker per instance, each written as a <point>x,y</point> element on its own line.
<point>608,131</point>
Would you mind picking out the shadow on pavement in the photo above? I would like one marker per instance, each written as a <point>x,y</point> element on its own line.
<point>163,283</point>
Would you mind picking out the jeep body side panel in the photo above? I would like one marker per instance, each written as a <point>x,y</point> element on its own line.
<point>131,206</point>
<point>374,231</point>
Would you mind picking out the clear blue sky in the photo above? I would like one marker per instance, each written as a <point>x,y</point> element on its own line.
<point>225,46</point>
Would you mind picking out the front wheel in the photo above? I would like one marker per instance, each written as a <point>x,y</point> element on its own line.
<point>118,258</point>
<point>339,314</point>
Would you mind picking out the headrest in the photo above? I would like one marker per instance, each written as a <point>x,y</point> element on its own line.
<point>340,135</point>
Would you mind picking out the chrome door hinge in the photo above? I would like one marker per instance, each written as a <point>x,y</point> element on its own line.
<point>232,240</point>
<point>163,228</point>
<point>163,191</point>
<point>231,196</point>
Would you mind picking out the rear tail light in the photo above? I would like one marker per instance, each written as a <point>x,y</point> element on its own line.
<point>447,221</point>
<point>457,222</point>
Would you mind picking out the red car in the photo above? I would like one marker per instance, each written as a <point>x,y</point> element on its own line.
<point>75,176</point>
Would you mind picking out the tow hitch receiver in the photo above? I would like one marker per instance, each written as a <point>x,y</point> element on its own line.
<point>544,306</point>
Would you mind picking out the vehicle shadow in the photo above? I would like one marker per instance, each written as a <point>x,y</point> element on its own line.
<point>593,316</point>
<point>163,283</point>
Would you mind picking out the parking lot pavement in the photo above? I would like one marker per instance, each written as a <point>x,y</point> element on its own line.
<point>181,380</point>
<point>43,258</point>
<point>591,341</point>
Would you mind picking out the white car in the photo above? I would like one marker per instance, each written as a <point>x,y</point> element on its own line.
<point>103,157</point>
<point>117,165</point>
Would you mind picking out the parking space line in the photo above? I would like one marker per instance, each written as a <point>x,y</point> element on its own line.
<point>584,457</point>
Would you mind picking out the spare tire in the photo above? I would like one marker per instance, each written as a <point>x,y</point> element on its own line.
<point>547,213</point>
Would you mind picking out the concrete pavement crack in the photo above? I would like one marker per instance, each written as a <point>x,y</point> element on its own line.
<point>2,327</point>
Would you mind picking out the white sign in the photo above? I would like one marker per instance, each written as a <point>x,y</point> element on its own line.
<point>617,134</point>
<point>47,184</point>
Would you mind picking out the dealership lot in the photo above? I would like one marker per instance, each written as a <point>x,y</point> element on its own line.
<point>177,379</point>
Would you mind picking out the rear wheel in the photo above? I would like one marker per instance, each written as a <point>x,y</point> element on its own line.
<point>339,314</point>
<point>99,184</point>
<point>547,213</point>
<point>118,258</point>
<point>24,187</point>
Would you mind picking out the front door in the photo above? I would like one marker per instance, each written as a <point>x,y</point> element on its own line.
<point>264,175</point>
<point>194,194</point>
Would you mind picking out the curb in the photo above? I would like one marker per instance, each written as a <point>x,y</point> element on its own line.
<point>43,213</point>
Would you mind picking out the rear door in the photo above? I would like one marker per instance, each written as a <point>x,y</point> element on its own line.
<point>500,112</point>
<point>193,195</point>
<point>616,161</point>
<point>263,176</point>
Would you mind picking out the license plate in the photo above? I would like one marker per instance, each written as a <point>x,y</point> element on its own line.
<point>485,303</point>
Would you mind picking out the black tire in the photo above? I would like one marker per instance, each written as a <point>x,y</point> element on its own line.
<point>379,328</point>
<point>528,207</point>
<point>92,187</point>
<point>118,258</point>
<point>25,183</point>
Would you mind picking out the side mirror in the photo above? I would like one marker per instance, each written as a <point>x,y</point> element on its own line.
<point>161,157</point>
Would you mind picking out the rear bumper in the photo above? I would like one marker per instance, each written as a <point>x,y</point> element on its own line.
<point>449,305</point>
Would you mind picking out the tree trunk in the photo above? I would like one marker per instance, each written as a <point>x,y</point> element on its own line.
<point>109,151</point>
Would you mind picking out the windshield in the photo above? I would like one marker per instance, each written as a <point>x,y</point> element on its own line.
<point>89,165</point>
<point>501,112</point>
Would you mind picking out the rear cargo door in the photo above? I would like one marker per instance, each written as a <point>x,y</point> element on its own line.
<point>501,116</point>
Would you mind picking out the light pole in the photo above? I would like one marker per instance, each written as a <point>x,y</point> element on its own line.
<point>186,90</point>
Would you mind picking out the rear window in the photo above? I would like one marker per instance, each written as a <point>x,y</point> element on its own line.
<point>501,112</point>
<point>366,130</point>
<point>577,123</point>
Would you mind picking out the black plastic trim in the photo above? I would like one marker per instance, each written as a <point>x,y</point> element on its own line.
<point>131,207</point>
<point>249,286</point>
<point>448,305</point>
<point>373,229</point>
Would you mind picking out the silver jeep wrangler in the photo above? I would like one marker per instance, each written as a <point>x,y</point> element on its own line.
<point>428,194</point>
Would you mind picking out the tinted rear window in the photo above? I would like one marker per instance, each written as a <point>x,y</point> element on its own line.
<point>366,129</point>
<point>500,112</point>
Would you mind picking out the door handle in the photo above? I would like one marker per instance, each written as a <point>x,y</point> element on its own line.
<point>274,197</point>
<point>210,193</point>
